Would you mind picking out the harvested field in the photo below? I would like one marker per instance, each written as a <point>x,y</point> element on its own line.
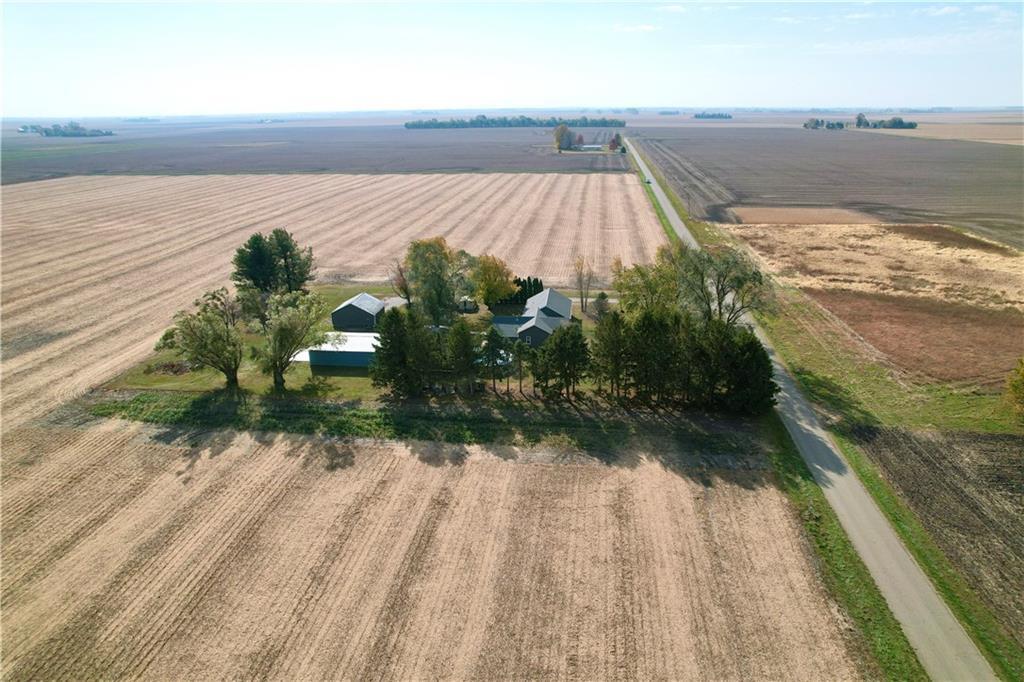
<point>933,301</point>
<point>94,268</point>
<point>895,178</point>
<point>968,491</point>
<point>213,148</point>
<point>943,341</point>
<point>929,260</point>
<point>132,552</point>
<point>796,215</point>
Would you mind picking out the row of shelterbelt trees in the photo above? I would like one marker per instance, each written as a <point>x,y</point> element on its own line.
<point>270,303</point>
<point>482,121</point>
<point>71,129</point>
<point>861,121</point>
<point>714,114</point>
<point>677,336</point>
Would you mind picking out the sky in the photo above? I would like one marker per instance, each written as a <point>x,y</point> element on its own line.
<point>83,60</point>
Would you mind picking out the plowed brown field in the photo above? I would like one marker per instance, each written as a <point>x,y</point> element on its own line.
<point>134,552</point>
<point>95,267</point>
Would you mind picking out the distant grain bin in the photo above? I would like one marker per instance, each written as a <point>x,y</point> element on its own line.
<point>357,314</point>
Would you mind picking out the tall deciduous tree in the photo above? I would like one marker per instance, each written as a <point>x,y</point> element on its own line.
<point>493,280</point>
<point>521,354</point>
<point>399,282</point>
<point>584,278</point>
<point>724,285</point>
<point>295,321</point>
<point>210,335</point>
<point>437,275</point>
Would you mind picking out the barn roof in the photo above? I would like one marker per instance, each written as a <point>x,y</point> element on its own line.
<point>364,301</point>
<point>347,342</point>
<point>552,301</point>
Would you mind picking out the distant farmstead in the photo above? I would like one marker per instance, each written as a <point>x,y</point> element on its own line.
<point>357,314</point>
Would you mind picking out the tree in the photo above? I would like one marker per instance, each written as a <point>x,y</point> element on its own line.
<point>294,265</point>
<point>735,372</point>
<point>255,304</point>
<point>615,142</point>
<point>563,137</point>
<point>294,322</point>
<point>255,264</point>
<point>646,287</point>
<point>399,282</point>
<point>495,355</point>
<point>521,354</point>
<point>462,353</point>
<point>436,275</point>
<point>390,367</point>
<point>210,336</point>
<point>492,279</point>
<point>579,139</point>
<point>601,305</point>
<point>1015,388</point>
<point>584,278</point>
<point>724,285</point>
<point>568,357</point>
<point>610,351</point>
<point>862,121</point>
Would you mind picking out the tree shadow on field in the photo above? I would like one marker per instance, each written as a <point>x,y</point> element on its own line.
<point>845,412</point>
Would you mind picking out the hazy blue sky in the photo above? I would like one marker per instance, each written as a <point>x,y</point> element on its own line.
<point>137,59</point>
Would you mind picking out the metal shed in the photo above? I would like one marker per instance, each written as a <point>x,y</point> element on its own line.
<point>358,313</point>
<point>352,349</point>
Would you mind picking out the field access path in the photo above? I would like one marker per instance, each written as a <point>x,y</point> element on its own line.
<point>941,644</point>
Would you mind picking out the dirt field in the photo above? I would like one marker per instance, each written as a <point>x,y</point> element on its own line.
<point>966,488</point>
<point>943,341</point>
<point>933,301</point>
<point>895,178</point>
<point>94,268</point>
<point>305,147</point>
<point>132,552</point>
<point>991,127</point>
<point>796,215</point>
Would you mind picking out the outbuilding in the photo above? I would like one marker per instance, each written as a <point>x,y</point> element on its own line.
<point>351,349</point>
<point>357,314</point>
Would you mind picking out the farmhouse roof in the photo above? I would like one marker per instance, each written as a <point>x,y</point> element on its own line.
<point>544,322</point>
<point>364,301</point>
<point>549,302</point>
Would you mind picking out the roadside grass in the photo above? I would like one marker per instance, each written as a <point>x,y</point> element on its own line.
<point>845,576</point>
<point>857,390</point>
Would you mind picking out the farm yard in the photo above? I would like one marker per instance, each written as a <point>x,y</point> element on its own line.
<point>895,178</point>
<point>176,150</point>
<point>132,550</point>
<point>95,267</point>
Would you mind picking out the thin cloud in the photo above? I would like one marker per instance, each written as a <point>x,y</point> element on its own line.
<point>636,28</point>
<point>940,11</point>
<point>671,8</point>
<point>786,20</point>
<point>858,16</point>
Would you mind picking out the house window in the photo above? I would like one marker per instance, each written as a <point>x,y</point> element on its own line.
<point>528,340</point>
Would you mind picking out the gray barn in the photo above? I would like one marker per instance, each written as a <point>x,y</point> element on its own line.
<point>358,313</point>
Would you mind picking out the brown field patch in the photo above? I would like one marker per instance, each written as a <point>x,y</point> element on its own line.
<point>928,260</point>
<point>800,215</point>
<point>966,490</point>
<point>93,268</point>
<point>942,340</point>
<point>133,552</point>
<point>1005,132</point>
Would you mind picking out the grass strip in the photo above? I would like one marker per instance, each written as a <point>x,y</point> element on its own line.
<point>844,574</point>
<point>1002,652</point>
<point>665,224</point>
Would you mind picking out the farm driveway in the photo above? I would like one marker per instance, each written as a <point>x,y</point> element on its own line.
<point>944,649</point>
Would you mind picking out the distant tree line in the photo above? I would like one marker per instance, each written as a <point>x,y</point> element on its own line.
<point>669,112</point>
<point>705,114</point>
<point>820,123</point>
<point>72,129</point>
<point>894,122</point>
<point>482,121</point>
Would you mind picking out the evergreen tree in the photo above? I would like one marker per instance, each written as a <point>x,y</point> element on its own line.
<point>462,353</point>
<point>293,265</point>
<point>255,264</point>
<point>611,351</point>
<point>495,355</point>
